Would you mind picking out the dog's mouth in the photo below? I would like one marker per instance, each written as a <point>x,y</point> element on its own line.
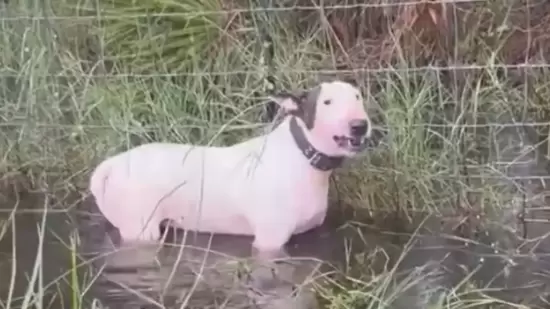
<point>351,143</point>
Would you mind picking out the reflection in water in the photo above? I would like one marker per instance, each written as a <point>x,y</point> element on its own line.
<point>202,271</point>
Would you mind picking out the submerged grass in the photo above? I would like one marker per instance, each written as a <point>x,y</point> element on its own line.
<point>63,111</point>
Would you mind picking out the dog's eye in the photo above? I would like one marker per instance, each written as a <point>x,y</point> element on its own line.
<point>327,102</point>
<point>357,96</point>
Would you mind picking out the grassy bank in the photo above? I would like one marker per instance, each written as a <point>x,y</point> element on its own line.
<point>68,102</point>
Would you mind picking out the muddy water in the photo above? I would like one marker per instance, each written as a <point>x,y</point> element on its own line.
<point>205,273</point>
<point>206,267</point>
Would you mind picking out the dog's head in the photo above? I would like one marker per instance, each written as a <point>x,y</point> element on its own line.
<point>333,116</point>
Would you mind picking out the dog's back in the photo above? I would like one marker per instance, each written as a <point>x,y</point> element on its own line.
<point>176,182</point>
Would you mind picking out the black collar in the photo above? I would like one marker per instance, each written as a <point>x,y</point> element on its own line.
<point>316,158</point>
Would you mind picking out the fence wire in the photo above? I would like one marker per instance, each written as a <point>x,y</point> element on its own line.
<point>455,68</point>
<point>54,99</point>
<point>457,91</point>
<point>245,10</point>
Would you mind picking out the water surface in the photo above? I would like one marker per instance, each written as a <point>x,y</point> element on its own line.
<point>211,271</point>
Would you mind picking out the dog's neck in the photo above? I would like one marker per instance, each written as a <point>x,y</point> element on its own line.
<point>316,158</point>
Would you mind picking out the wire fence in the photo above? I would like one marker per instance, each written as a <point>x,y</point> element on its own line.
<point>472,67</point>
<point>285,8</point>
<point>457,89</point>
<point>489,43</point>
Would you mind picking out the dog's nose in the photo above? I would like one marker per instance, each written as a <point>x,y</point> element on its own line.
<point>359,127</point>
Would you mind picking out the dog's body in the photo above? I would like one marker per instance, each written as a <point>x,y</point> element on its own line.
<point>265,187</point>
<point>234,190</point>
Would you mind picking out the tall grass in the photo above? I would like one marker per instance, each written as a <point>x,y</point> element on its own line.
<point>63,110</point>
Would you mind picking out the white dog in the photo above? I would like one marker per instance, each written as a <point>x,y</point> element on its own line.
<point>270,187</point>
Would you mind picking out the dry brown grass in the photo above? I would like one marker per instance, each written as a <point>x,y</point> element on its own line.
<point>435,32</point>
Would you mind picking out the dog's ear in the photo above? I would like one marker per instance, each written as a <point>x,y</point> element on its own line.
<point>289,102</point>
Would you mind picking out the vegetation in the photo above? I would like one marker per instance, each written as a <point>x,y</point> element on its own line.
<point>80,80</point>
